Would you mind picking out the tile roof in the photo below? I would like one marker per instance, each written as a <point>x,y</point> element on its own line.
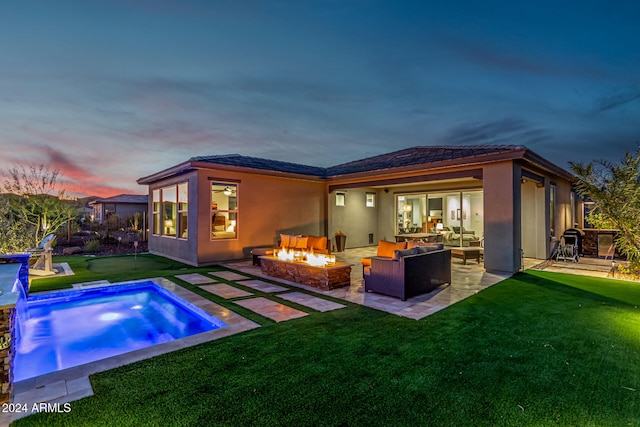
<point>408,157</point>
<point>264,164</point>
<point>123,198</point>
<point>418,156</point>
<point>401,158</point>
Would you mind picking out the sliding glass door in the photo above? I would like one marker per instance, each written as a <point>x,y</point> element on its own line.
<point>458,216</point>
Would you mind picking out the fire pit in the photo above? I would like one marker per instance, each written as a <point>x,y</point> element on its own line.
<point>318,271</point>
<point>317,260</point>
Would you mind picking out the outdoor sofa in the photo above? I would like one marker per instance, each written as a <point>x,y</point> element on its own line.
<point>387,250</point>
<point>409,273</point>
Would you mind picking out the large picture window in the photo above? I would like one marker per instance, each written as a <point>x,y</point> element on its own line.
<point>224,210</point>
<point>170,210</point>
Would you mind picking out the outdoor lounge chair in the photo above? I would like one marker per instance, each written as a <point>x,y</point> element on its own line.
<point>42,256</point>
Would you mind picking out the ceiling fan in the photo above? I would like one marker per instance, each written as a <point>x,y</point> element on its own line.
<point>227,191</point>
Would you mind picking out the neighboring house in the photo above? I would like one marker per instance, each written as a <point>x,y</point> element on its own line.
<point>215,208</point>
<point>124,205</point>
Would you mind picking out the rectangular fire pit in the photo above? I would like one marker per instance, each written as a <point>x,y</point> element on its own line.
<point>332,276</point>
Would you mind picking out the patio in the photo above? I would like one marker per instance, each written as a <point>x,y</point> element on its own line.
<point>467,280</point>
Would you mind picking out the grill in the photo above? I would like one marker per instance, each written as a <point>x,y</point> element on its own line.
<point>574,236</point>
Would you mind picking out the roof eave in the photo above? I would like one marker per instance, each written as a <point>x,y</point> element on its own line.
<point>548,166</point>
<point>167,173</point>
<point>193,165</point>
<point>246,169</point>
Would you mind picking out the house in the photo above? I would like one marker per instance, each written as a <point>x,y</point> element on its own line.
<point>505,197</point>
<point>124,205</point>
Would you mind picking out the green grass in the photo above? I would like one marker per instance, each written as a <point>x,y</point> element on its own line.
<point>537,349</point>
<point>112,268</point>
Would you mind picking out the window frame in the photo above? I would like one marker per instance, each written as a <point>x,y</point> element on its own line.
<point>159,205</point>
<point>232,213</point>
<point>182,215</point>
<point>156,212</point>
<point>370,199</point>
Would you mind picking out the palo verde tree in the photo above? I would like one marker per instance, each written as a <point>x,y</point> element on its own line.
<point>14,233</point>
<point>35,201</point>
<point>615,190</point>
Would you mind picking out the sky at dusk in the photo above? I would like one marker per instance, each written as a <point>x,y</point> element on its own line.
<point>110,91</point>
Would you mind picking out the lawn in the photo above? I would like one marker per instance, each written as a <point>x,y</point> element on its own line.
<point>539,349</point>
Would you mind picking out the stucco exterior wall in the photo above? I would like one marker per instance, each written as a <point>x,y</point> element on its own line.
<point>534,237</point>
<point>502,217</point>
<point>184,250</point>
<point>267,207</point>
<point>123,210</point>
<point>563,205</point>
<point>354,218</point>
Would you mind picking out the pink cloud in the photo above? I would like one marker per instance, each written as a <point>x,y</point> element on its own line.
<point>74,178</point>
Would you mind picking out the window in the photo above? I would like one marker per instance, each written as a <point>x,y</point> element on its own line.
<point>170,210</point>
<point>340,198</point>
<point>156,212</point>
<point>552,209</point>
<point>587,208</point>
<point>410,209</point>
<point>97,212</point>
<point>370,201</point>
<point>224,211</point>
<point>572,208</point>
<point>183,205</point>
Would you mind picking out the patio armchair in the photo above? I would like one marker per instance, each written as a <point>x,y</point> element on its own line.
<point>42,255</point>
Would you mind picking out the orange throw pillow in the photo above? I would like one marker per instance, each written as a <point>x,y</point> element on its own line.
<point>301,242</point>
<point>386,249</point>
<point>318,242</point>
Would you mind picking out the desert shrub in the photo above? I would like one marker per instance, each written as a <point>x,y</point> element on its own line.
<point>92,245</point>
<point>110,240</point>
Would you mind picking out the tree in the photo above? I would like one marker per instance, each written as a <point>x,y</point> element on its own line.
<point>40,205</point>
<point>15,233</point>
<point>615,190</point>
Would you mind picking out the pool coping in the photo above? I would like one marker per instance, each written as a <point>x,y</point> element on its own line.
<point>73,383</point>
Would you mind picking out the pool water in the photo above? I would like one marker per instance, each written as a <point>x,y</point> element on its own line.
<point>65,329</point>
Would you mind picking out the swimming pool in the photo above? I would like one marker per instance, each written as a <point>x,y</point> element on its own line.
<point>65,329</point>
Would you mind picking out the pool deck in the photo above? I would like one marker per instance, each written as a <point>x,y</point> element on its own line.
<point>73,383</point>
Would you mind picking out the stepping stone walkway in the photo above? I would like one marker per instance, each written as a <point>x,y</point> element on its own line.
<point>225,291</point>
<point>271,309</point>
<point>195,278</point>
<point>261,286</point>
<point>310,301</point>
<point>263,306</point>
<point>228,275</point>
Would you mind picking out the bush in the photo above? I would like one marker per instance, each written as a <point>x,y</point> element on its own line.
<point>110,240</point>
<point>92,246</point>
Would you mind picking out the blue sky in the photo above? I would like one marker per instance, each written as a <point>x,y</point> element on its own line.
<point>109,91</point>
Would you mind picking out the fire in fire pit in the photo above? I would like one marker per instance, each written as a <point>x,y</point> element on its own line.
<point>316,260</point>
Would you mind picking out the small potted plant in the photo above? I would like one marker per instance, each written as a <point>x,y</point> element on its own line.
<point>341,240</point>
